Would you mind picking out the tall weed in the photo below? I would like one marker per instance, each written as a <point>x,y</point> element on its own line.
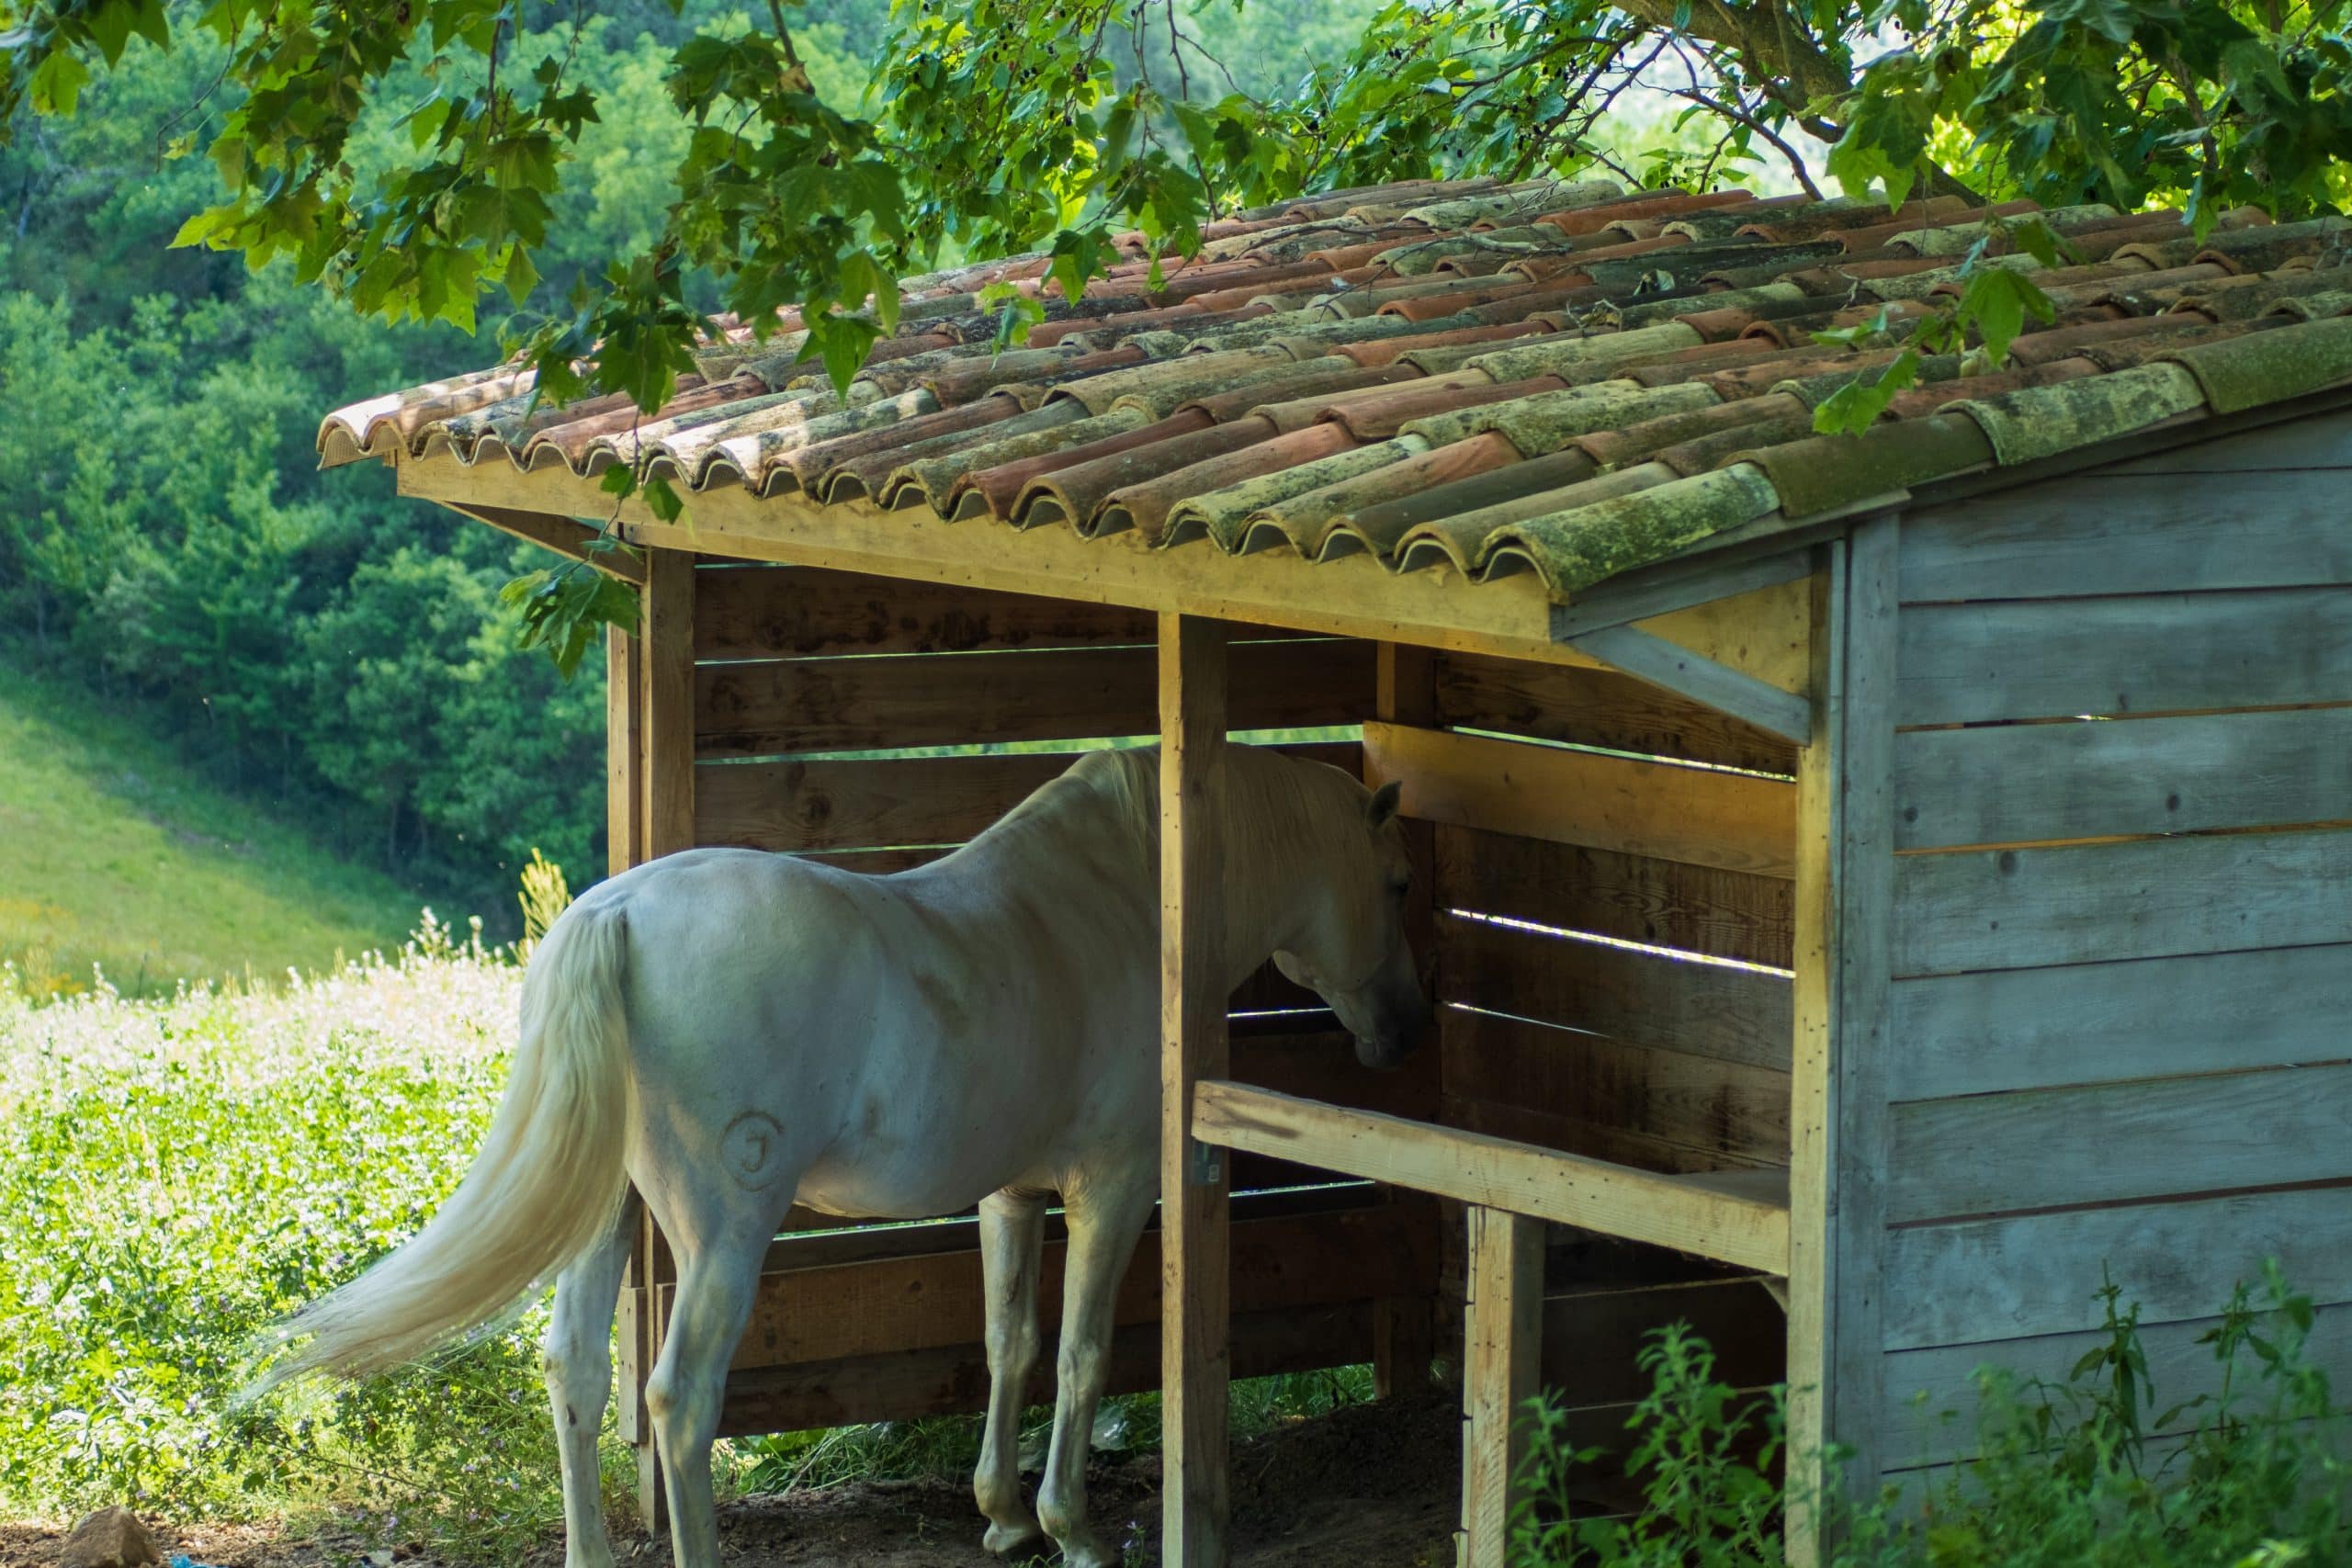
<point>2087,1472</point>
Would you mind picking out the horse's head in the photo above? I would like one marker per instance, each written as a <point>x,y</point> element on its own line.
<point>1350,947</point>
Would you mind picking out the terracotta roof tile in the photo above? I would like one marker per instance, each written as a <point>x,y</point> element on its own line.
<point>1079,494</point>
<point>1145,507</point>
<point>1564,379</point>
<point>994,489</point>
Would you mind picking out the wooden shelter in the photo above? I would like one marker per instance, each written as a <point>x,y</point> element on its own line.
<point>1875,882</point>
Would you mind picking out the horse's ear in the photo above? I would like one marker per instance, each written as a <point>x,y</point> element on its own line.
<point>1383,805</point>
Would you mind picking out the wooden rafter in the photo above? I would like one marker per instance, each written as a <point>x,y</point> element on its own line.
<point>564,536</point>
<point>1651,658</point>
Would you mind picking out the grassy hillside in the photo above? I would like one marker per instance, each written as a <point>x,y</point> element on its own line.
<point>113,853</point>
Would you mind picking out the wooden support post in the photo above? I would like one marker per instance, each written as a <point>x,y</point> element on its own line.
<point>1839,1119</point>
<point>650,711</point>
<point>642,1326</point>
<point>623,750</point>
<point>1195,1296</point>
<point>1506,1318</point>
<point>1404,1327</point>
<point>667,619</point>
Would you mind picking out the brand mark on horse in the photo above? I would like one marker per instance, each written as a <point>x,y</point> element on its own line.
<point>748,1149</point>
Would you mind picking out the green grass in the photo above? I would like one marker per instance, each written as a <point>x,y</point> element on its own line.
<point>113,859</point>
<point>178,1173</point>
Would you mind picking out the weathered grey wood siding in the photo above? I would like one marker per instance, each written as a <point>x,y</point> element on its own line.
<point>2120,943</point>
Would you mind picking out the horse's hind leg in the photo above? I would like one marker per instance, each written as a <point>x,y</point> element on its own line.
<point>578,1349</point>
<point>719,1272</point>
<point>1012,1228</point>
<point>1104,1219</point>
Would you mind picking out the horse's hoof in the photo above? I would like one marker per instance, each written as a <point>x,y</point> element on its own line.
<point>1016,1541</point>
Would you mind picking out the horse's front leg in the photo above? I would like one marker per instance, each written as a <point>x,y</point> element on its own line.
<point>1104,1219</point>
<point>1012,1230</point>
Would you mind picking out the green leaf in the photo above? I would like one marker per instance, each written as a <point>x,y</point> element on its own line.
<point>663,500</point>
<point>521,276</point>
<point>57,83</point>
<point>201,227</point>
<point>1886,136</point>
<point>1857,405</point>
<point>1996,302</point>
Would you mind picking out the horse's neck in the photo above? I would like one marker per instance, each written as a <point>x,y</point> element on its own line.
<point>1042,856</point>
<point>1072,853</point>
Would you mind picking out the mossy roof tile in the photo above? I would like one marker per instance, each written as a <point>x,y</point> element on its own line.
<point>1567,379</point>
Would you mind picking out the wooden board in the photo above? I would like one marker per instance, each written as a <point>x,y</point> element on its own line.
<point>1499,1376</point>
<point>1598,707</point>
<point>2020,782</point>
<point>1592,1139</point>
<point>1955,1284</point>
<point>1593,1339</point>
<point>1917,1432</point>
<point>1661,903</point>
<point>1645,999</point>
<point>1788,715</point>
<point>2321,441</point>
<point>2151,1018</point>
<point>667,605</point>
<point>776,706</point>
<point>885,1304</point>
<point>954,1380</point>
<point>769,612</point>
<point>2025,908</point>
<point>1404,691</point>
<point>824,1241</point>
<point>887,801</point>
<point>624,752</point>
<point>2074,537</point>
<point>1995,1154</point>
<point>1713,1108</point>
<point>1737,1217</point>
<point>1324,1066</point>
<point>2144,653</point>
<point>1733,822</point>
<point>1837,1175</point>
<point>1195,1274</point>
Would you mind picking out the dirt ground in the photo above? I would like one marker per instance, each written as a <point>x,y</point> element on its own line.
<point>1373,1486</point>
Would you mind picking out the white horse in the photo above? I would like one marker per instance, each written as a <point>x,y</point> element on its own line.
<point>730,1032</point>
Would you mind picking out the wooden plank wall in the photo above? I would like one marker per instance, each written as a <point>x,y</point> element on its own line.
<point>1613,899</point>
<point>2121,948</point>
<point>823,703</point>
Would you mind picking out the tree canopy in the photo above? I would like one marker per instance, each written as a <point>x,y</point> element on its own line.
<point>992,126</point>
<point>419,158</point>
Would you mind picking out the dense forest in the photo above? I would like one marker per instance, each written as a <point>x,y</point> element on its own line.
<point>310,637</point>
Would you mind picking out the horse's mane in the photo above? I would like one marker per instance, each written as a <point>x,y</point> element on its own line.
<point>1268,796</point>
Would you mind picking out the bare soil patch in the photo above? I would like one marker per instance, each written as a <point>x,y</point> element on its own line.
<point>1373,1486</point>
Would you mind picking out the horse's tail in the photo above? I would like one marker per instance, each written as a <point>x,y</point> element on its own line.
<point>546,1185</point>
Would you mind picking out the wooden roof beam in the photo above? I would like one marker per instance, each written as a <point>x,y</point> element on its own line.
<point>553,531</point>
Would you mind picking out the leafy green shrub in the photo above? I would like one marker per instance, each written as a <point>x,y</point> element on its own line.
<point>2068,1473</point>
